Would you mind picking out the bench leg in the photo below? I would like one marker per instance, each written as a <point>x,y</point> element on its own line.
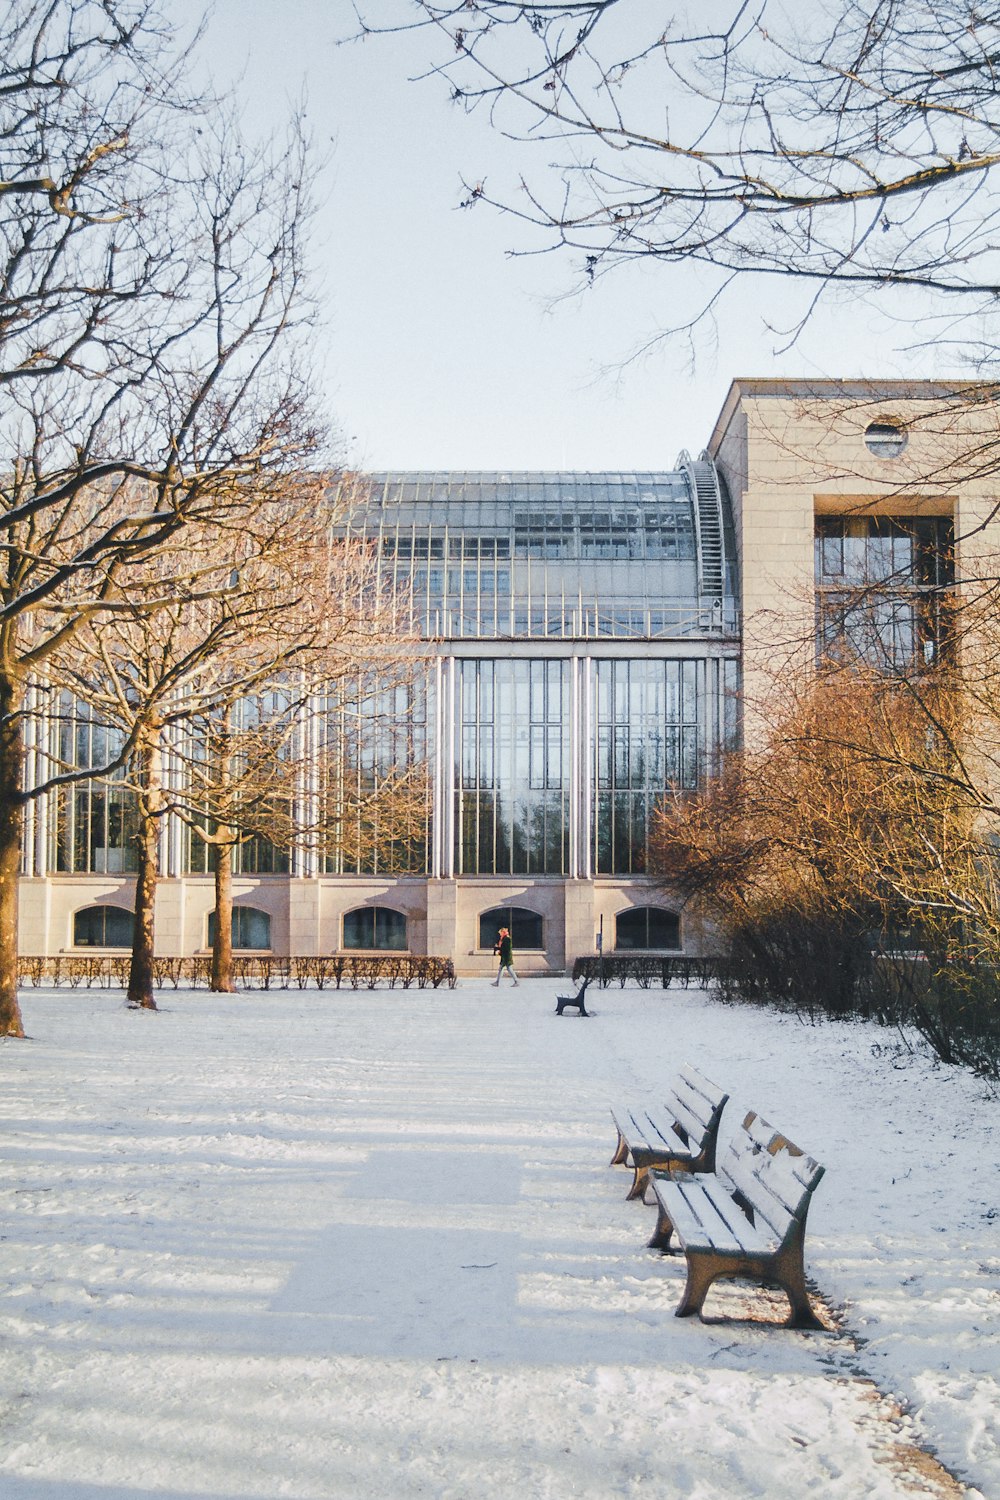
<point>621,1150</point>
<point>640,1182</point>
<point>784,1271</point>
<point>702,1270</point>
<point>663,1233</point>
<point>788,1272</point>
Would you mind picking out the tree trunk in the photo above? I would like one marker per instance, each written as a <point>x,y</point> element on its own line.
<point>140,979</point>
<point>222,948</point>
<point>11,772</point>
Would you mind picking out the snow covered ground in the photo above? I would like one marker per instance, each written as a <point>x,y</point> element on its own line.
<point>353,1246</point>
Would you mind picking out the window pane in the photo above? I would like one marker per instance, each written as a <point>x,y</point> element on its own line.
<point>103,927</point>
<point>526,927</point>
<point>647,927</point>
<point>376,927</point>
<point>359,928</point>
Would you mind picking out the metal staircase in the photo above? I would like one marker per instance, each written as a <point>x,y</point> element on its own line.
<point>703,483</point>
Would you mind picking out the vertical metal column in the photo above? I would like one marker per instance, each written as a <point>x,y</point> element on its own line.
<point>587,752</point>
<point>575,764</point>
<point>28,851</point>
<point>42,804</point>
<point>305,856</point>
<point>436,731</point>
<point>448,767</point>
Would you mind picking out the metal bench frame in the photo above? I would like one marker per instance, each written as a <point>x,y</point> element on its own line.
<point>681,1132</point>
<point>748,1220</point>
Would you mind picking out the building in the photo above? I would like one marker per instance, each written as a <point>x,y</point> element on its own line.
<point>591,639</point>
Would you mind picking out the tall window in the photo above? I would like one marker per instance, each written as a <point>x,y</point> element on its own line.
<point>375,927</point>
<point>374,779</point>
<point>881,587</point>
<point>525,927</point>
<point>513,797</point>
<point>251,928</point>
<point>103,927</point>
<point>648,739</point>
<point>647,927</point>
<point>93,823</point>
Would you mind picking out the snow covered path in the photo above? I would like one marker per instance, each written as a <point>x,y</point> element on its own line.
<point>353,1246</point>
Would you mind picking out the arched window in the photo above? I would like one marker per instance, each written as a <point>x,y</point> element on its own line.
<point>251,928</point>
<point>647,927</point>
<point>526,927</point>
<point>377,927</point>
<point>103,927</point>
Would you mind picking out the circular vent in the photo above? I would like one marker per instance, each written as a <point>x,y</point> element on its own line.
<point>885,439</point>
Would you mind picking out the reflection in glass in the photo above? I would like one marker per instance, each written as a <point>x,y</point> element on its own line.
<point>103,927</point>
<point>647,927</point>
<point>513,796</point>
<point>375,927</point>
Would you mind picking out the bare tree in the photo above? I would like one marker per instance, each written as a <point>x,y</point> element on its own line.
<point>861,827</point>
<point>852,148</point>
<point>151,313</point>
<point>212,683</point>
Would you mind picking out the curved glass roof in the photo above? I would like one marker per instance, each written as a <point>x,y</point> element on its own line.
<point>548,554</point>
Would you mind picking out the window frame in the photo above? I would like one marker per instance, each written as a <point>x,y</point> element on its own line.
<point>89,912</point>
<point>511,917</point>
<point>240,907</point>
<point>644,912</point>
<point>376,910</point>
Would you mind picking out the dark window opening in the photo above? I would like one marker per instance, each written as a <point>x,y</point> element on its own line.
<point>526,927</point>
<point>251,928</point>
<point>103,927</point>
<point>375,927</point>
<point>647,927</point>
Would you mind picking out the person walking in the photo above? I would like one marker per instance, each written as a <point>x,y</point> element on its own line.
<point>504,949</point>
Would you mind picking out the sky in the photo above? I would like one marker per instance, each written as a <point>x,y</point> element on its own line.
<point>448,340</point>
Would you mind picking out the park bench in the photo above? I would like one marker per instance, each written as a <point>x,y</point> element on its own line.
<point>679,1133</point>
<point>746,1220</point>
<point>574,1000</point>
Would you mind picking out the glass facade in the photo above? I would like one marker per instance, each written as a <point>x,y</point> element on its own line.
<point>882,584</point>
<point>566,611</point>
<point>92,824</point>
<point>513,793</point>
<point>542,555</point>
<point>374,787</point>
<point>579,648</point>
<point>649,723</point>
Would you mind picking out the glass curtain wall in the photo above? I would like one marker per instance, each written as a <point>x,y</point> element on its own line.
<point>648,738</point>
<point>538,555</point>
<point>374,779</point>
<point>513,792</point>
<point>92,824</point>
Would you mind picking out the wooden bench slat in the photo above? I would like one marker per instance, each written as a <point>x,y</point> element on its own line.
<point>695,1123</point>
<point>644,1134</point>
<point>748,1219</point>
<point>698,1213</point>
<point>696,1085</point>
<point>679,1131</point>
